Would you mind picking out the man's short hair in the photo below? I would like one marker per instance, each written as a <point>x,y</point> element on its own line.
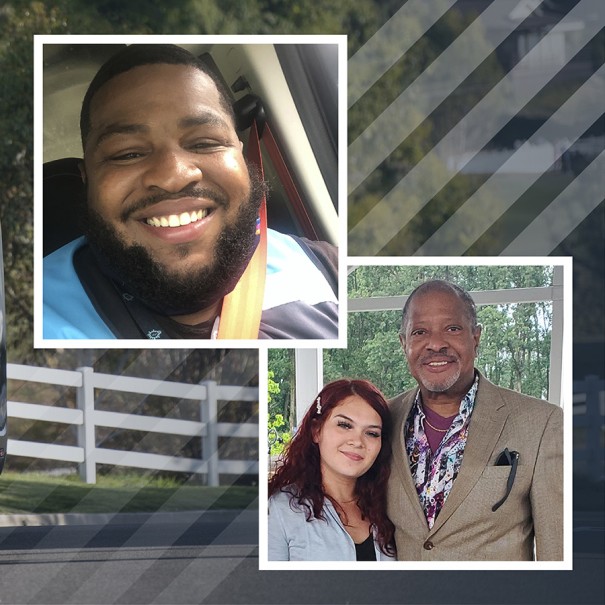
<point>136,55</point>
<point>441,285</point>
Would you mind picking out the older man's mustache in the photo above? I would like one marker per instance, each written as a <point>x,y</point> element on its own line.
<point>438,357</point>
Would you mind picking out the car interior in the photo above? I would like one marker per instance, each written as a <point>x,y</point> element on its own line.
<point>293,87</point>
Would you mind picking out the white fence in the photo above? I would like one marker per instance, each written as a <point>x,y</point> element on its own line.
<point>87,418</point>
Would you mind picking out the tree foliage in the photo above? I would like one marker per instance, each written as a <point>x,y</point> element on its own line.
<point>281,362</point>
<point>423,133</point>
<point>278,430</point>
<point>279,434</point>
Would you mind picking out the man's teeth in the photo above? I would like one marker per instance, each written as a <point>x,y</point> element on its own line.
<point>438,363</point>
<point>177,220</point>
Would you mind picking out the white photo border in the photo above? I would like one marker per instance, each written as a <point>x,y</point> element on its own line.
<point>566,404</point>
<point>40,40</point>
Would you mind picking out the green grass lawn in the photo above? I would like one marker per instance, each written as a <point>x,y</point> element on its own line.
<point>26,493</point>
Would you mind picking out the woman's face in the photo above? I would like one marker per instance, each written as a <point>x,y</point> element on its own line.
<point>349,440</point>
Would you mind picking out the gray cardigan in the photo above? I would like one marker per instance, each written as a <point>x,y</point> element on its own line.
<point>293,538</point>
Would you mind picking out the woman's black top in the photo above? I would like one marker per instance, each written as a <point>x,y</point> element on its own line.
<point>365,551</point>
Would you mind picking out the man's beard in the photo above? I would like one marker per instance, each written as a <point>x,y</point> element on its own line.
<point>173,294</point>
<point>437,383</point>
<point>440,385</point>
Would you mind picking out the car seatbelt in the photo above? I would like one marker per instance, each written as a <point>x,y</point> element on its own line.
<point>287,181</point>
<point>250,109</point>
<point>242,307</point>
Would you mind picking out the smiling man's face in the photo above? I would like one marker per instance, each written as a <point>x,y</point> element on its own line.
<point>166,176</point>
<point>440,344</point>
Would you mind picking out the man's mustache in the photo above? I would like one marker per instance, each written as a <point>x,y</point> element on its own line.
<point>438,357</point>
<point>195,192</point>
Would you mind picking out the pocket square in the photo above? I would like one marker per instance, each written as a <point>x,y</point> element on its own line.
<point>507,458</point>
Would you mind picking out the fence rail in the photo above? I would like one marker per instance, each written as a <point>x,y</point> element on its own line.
<point>86,418</point>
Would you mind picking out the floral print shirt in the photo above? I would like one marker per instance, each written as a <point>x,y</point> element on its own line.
<point>434,475</point>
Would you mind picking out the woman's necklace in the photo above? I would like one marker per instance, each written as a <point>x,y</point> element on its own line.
<point>345,501</point>
<point>350,516</point>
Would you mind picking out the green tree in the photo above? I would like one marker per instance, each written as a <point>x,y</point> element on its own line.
<point>273,387</point>
<point>423,133</point>
<point>279,435</point>
<point>278,431</point>
<point>281,362</point>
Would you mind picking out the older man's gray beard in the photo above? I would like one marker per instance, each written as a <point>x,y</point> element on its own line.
<point>439,384</point>
<point>170,293</point>
<point>435,385</point>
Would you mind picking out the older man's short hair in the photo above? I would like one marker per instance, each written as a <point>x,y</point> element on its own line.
<point>441,285</point>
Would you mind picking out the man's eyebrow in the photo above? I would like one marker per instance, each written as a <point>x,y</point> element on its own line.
<point>118,128</point>
<point>202,119</point>
<point>370,426</point>
<point>199,119</point>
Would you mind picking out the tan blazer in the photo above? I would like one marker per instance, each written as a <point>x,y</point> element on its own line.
<point>467,528</point>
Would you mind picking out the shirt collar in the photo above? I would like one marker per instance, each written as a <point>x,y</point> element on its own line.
<point>466,404</point>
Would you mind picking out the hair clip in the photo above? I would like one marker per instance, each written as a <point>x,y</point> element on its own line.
<point>318,400</point>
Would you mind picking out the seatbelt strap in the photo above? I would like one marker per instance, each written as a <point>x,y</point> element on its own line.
<point>287,181</point>
<point>242,307</point>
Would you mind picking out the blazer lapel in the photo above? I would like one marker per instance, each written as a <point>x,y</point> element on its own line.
<point>401,411</point>
<point>486,425</point>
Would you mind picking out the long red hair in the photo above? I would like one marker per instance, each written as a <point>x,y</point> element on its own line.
<point>299,470</point>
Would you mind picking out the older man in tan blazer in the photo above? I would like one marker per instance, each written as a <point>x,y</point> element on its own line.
<point>477,470</point>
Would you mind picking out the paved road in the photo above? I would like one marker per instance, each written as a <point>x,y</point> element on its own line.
<point>212,558</point>
<point>163,561</point>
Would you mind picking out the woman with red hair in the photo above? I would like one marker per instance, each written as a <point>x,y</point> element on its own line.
<point>327,498</point>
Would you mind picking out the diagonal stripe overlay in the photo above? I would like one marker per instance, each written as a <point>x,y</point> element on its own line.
<point>490,201</point>
<point>581,197</point>
<point>428,177</point>
<point>228,566</point>
<point>388,44</point>
<point>426,93</point>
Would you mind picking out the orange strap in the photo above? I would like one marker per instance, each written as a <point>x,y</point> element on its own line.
<point>242,307</point>
<point>287,181</point>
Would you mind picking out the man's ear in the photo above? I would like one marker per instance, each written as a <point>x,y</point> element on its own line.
<point>477,336</point>
<point>241,146</point>
<point>82,170</point>
<point>402,341</point>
